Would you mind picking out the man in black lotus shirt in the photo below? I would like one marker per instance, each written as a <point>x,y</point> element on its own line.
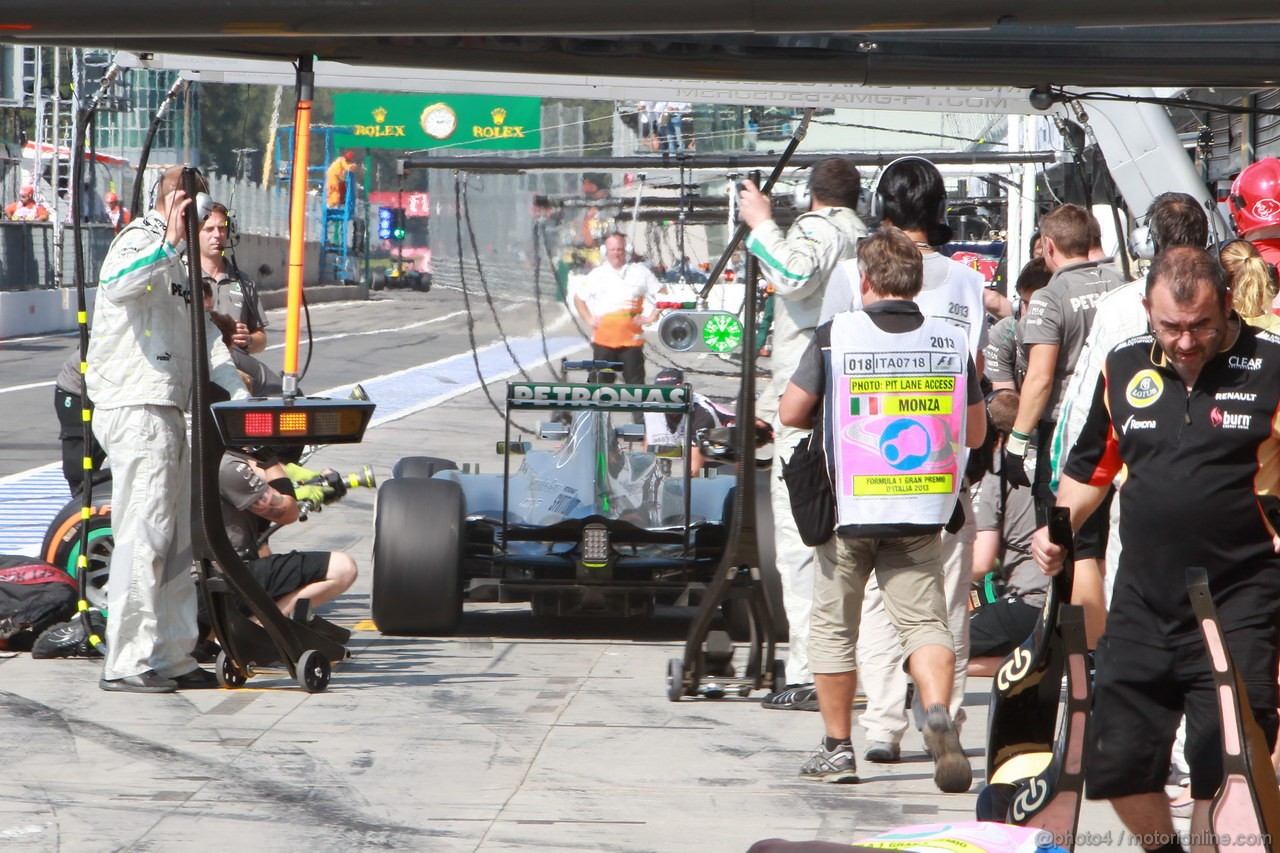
<point>1190,410</point>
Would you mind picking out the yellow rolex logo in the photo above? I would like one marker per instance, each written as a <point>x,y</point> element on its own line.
<point>499,115</point>
<point>379,128</point>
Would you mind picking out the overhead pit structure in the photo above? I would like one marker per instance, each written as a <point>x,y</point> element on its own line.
<point>1014,42</point>
<point>1018,43</point>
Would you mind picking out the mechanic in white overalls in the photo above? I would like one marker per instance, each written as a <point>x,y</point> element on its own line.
<point>798,265</point>
<point>139,378</point>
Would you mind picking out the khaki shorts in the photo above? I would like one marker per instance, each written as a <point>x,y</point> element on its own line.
<point>909,571</point>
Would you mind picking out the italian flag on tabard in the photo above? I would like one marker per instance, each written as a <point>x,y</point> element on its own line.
<point>864,405</point>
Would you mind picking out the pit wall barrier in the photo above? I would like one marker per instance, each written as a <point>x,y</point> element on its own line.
<point>28,308</point>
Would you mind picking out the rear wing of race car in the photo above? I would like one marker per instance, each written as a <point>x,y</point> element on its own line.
<point>578,397</point>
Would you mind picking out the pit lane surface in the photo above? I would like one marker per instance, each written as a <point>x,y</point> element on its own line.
<point>517,734</point>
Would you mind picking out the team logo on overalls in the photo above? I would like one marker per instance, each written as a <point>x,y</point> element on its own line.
<point>1145,388</point>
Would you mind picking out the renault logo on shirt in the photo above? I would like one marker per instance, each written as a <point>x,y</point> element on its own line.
<point>1145,388</point>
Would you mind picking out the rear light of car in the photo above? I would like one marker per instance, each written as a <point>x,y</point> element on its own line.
<point>306,420</point>
<point>595,546</point>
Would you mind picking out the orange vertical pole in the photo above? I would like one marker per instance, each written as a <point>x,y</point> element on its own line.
<point>298,220</point>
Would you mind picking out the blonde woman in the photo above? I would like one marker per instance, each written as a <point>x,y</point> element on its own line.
<point>1253,282</point>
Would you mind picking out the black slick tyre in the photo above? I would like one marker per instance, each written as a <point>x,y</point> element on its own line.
<point>421,466</point>
<point>419,531</point>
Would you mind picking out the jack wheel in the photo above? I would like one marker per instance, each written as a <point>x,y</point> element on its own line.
<point>779,676</point>
<point>313,671</point>
<point>229,675</point>
<point>675,679</point>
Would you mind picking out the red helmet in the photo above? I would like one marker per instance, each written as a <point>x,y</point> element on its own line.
<point>111,198</point>
<point>1255,196</point>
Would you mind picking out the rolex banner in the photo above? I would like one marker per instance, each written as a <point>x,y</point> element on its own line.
<point>460,122</point>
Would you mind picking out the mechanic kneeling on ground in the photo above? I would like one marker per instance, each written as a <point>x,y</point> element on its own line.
<point>251,490</point>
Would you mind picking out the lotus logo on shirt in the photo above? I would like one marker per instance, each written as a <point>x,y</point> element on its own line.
<point>1144,388</point>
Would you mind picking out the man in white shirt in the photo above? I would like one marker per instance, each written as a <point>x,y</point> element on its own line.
<point>797,263</point>
<point>617,300</point>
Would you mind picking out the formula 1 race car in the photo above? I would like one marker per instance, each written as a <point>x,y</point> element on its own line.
<point>601,523</point>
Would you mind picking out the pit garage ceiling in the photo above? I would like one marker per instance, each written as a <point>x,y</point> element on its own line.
<point>870,42</point>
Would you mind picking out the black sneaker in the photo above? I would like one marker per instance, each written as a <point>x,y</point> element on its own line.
<point>801,698</point>
<point>951,772</point>
<point>197,679</point>
<point>206,651</point>
<point>837,765</point>
<point>68,639</point>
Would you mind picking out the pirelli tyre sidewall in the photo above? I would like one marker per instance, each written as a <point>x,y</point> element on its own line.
<point>61,545</point>
<point>419,533</point>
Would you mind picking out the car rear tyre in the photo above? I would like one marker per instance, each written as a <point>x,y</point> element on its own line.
<point>421,466</point>
<point>61,545</point>
<point>418,537</point>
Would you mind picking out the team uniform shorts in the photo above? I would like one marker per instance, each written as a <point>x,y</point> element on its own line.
<point>1092,537</point>
<point>1140,693</point>
<point>281,574</point>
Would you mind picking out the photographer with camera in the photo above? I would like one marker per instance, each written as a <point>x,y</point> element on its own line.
<point>798,265</point>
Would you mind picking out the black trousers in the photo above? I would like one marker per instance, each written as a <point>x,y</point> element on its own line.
<point>632,359</point>
<point>71,433</point>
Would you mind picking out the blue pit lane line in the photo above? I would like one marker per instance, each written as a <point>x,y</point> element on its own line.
<point>30,499</point>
